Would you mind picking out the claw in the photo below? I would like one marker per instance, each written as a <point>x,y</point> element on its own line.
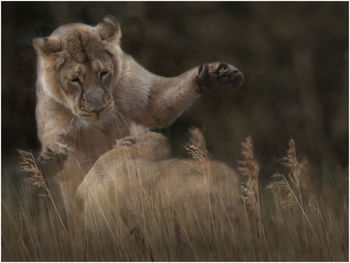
<point>209,75</point>
<point>200,69</point>
<point>221,66</point>
<point>205,72</point>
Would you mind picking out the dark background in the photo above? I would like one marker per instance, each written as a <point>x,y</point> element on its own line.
<point>294,57</point>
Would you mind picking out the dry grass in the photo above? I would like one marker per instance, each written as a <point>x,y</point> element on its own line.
<point>295,218</point>
<point>35,177</point>
<point>249,168</point>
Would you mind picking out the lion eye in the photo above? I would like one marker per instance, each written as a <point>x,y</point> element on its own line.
<point>103,73</point>
<point>75,80</point>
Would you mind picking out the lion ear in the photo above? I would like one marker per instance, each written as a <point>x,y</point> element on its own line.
<point>47,46</point>
<point>109,29</point>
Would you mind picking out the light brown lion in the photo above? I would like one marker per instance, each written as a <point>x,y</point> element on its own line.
<point>90,94</point>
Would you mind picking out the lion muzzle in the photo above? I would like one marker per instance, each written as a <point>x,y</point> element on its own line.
<point>95,100</point>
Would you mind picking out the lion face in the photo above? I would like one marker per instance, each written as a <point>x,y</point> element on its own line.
<point>87,87</point>
<point>80,67</point>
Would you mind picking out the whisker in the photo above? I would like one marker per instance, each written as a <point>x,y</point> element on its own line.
<point>76,131</point>
<point>123,121</point>
<point>70,124</point>
<point>120,116</point>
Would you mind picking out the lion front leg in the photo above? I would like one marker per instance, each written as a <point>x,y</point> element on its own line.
<point>171,96</point>
<point>52,157</point>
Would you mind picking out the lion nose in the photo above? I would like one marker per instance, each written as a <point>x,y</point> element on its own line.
<point>95,100</point>
<point>97,108</point>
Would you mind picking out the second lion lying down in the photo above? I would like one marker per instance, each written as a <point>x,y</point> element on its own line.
<point>138,170</point>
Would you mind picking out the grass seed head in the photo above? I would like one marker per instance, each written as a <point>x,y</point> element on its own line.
<point>249,168</point>
<point>195,152</point>
<point>197,139</point>
<point>28,165</point>
<point>282,190</point>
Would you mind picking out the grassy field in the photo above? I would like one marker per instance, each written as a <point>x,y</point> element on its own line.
<point>295,216</point>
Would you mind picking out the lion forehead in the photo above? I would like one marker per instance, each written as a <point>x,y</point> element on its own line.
<point>82,44</point>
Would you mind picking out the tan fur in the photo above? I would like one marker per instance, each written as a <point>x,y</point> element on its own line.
<point>140,172</point>
<point>90,93</point>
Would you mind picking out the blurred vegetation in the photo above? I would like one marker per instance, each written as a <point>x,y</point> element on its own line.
<point>194,218</point>
<point>294,57</point>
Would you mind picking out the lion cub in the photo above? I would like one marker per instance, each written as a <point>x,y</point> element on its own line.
<point>90,93</point>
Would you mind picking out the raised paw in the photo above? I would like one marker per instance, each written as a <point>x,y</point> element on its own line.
<point>51,159</point>
<point>57,151</point>
<point>215,74</point>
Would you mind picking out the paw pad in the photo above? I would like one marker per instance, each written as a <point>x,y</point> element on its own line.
<point>214,74</point>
